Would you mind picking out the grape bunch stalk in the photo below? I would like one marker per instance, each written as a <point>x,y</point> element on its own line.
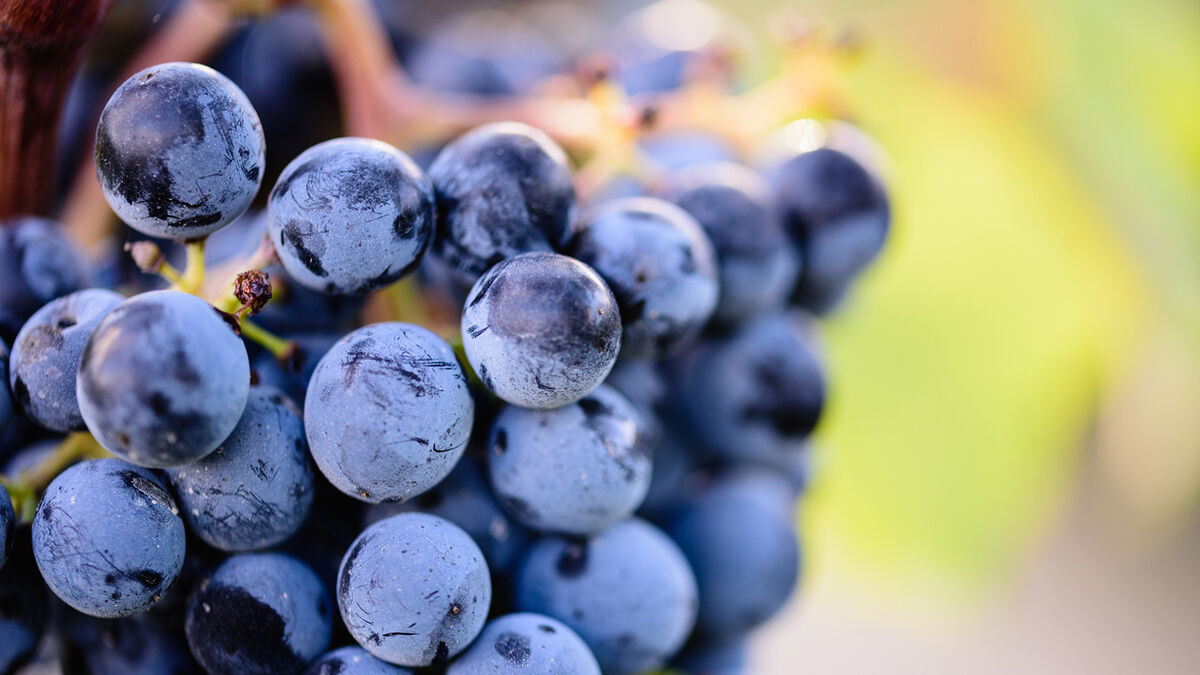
<point>513,368</point>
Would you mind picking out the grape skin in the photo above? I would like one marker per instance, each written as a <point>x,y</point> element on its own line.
<point>541,330</point>
<point>756,265</point>
<point>837,215</point>
<point>350,215</point>
<point>503,189</point>
<point>46,353</point>
<point>575,469</point>
<point>256,488</point>
<point>388,412</point>
<point>755,395</point>
<point>526,643</point>
<point>6,402</point>
<point>37,264</point>
<point>258,613</point>
<point>628,592</point>
<point>179,151</point>
<point>414,589</point>
<point>465,499</point>
<point>660,266</point>
<point>102,565</point>
<point>353,661</point>
<point>8,521</point>
<point>743,550</point>
<point>163,379</point>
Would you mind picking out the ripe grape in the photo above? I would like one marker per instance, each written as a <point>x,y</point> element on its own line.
<point>143,644</point>
<point>107,538</point>
<point>466,500</point>
<point>256,488</point>
<point>837,214</point>
<point>627,591</point>
<point>575,469</point>
<point>388,412</point>
<point>414,589</point>
<point>163,379</point>
<point>25,605</point>
<point>45,357</point>
<point>526,643</point>
<point>659,265</point>
<point>353,661</point>
<point>719,658</point>
<point>179,151</point>
<point>258,613</point>
<point>744,552</point>
<point>8,523</point>
<point>502,189</point>
<point>6,402</point>
<point>541,330</point>
<point>756,265</point>
<point>350,215</point>
<point>756,395</point>
<point>37,264</point>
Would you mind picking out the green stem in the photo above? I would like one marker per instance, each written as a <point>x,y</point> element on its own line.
<point>26,489</point>
<point>279,347</point>
<point>193,273</point>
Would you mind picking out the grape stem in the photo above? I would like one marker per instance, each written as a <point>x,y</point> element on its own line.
<point>26,489</point>
<point>193,272</point>
<point>280,348</point>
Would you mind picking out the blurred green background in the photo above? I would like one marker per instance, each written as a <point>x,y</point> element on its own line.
<point>1014,437</point>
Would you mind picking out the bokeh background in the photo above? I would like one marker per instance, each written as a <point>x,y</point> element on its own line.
<point>1007,479</point>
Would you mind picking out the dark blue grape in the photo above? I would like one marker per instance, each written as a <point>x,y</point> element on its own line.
<point>8,524</point>
<point>256,488</point>
<point>756,395</point>
<point>143,644</point>
<point>27,458</point>
<point>179,151</point>
<point>353,661</point>
<point>107,538</point>
<point>292,377</point>
<point>526,643</point>
<point>6,402</point>
<point>739,538</point>
<point>465,499</point>
<point>659,265</point>
<point>163,379</point>
<point>37,264</point>
<point>23,605</point>
<point>627,591</point>
<point>756,266</point>
<point>838,216</point>
<point>350,215</point>
<point>575,469</point>
<point>723,658</point>
<point>388,412</point>
<point>676,458</point>
<point>258,613</point>
<point>541,330</point>
<point>414,589</point>
<point>502,189</point>
<point>45,357</point>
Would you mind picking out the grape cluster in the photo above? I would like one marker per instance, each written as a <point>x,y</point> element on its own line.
<point>592,467</point>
